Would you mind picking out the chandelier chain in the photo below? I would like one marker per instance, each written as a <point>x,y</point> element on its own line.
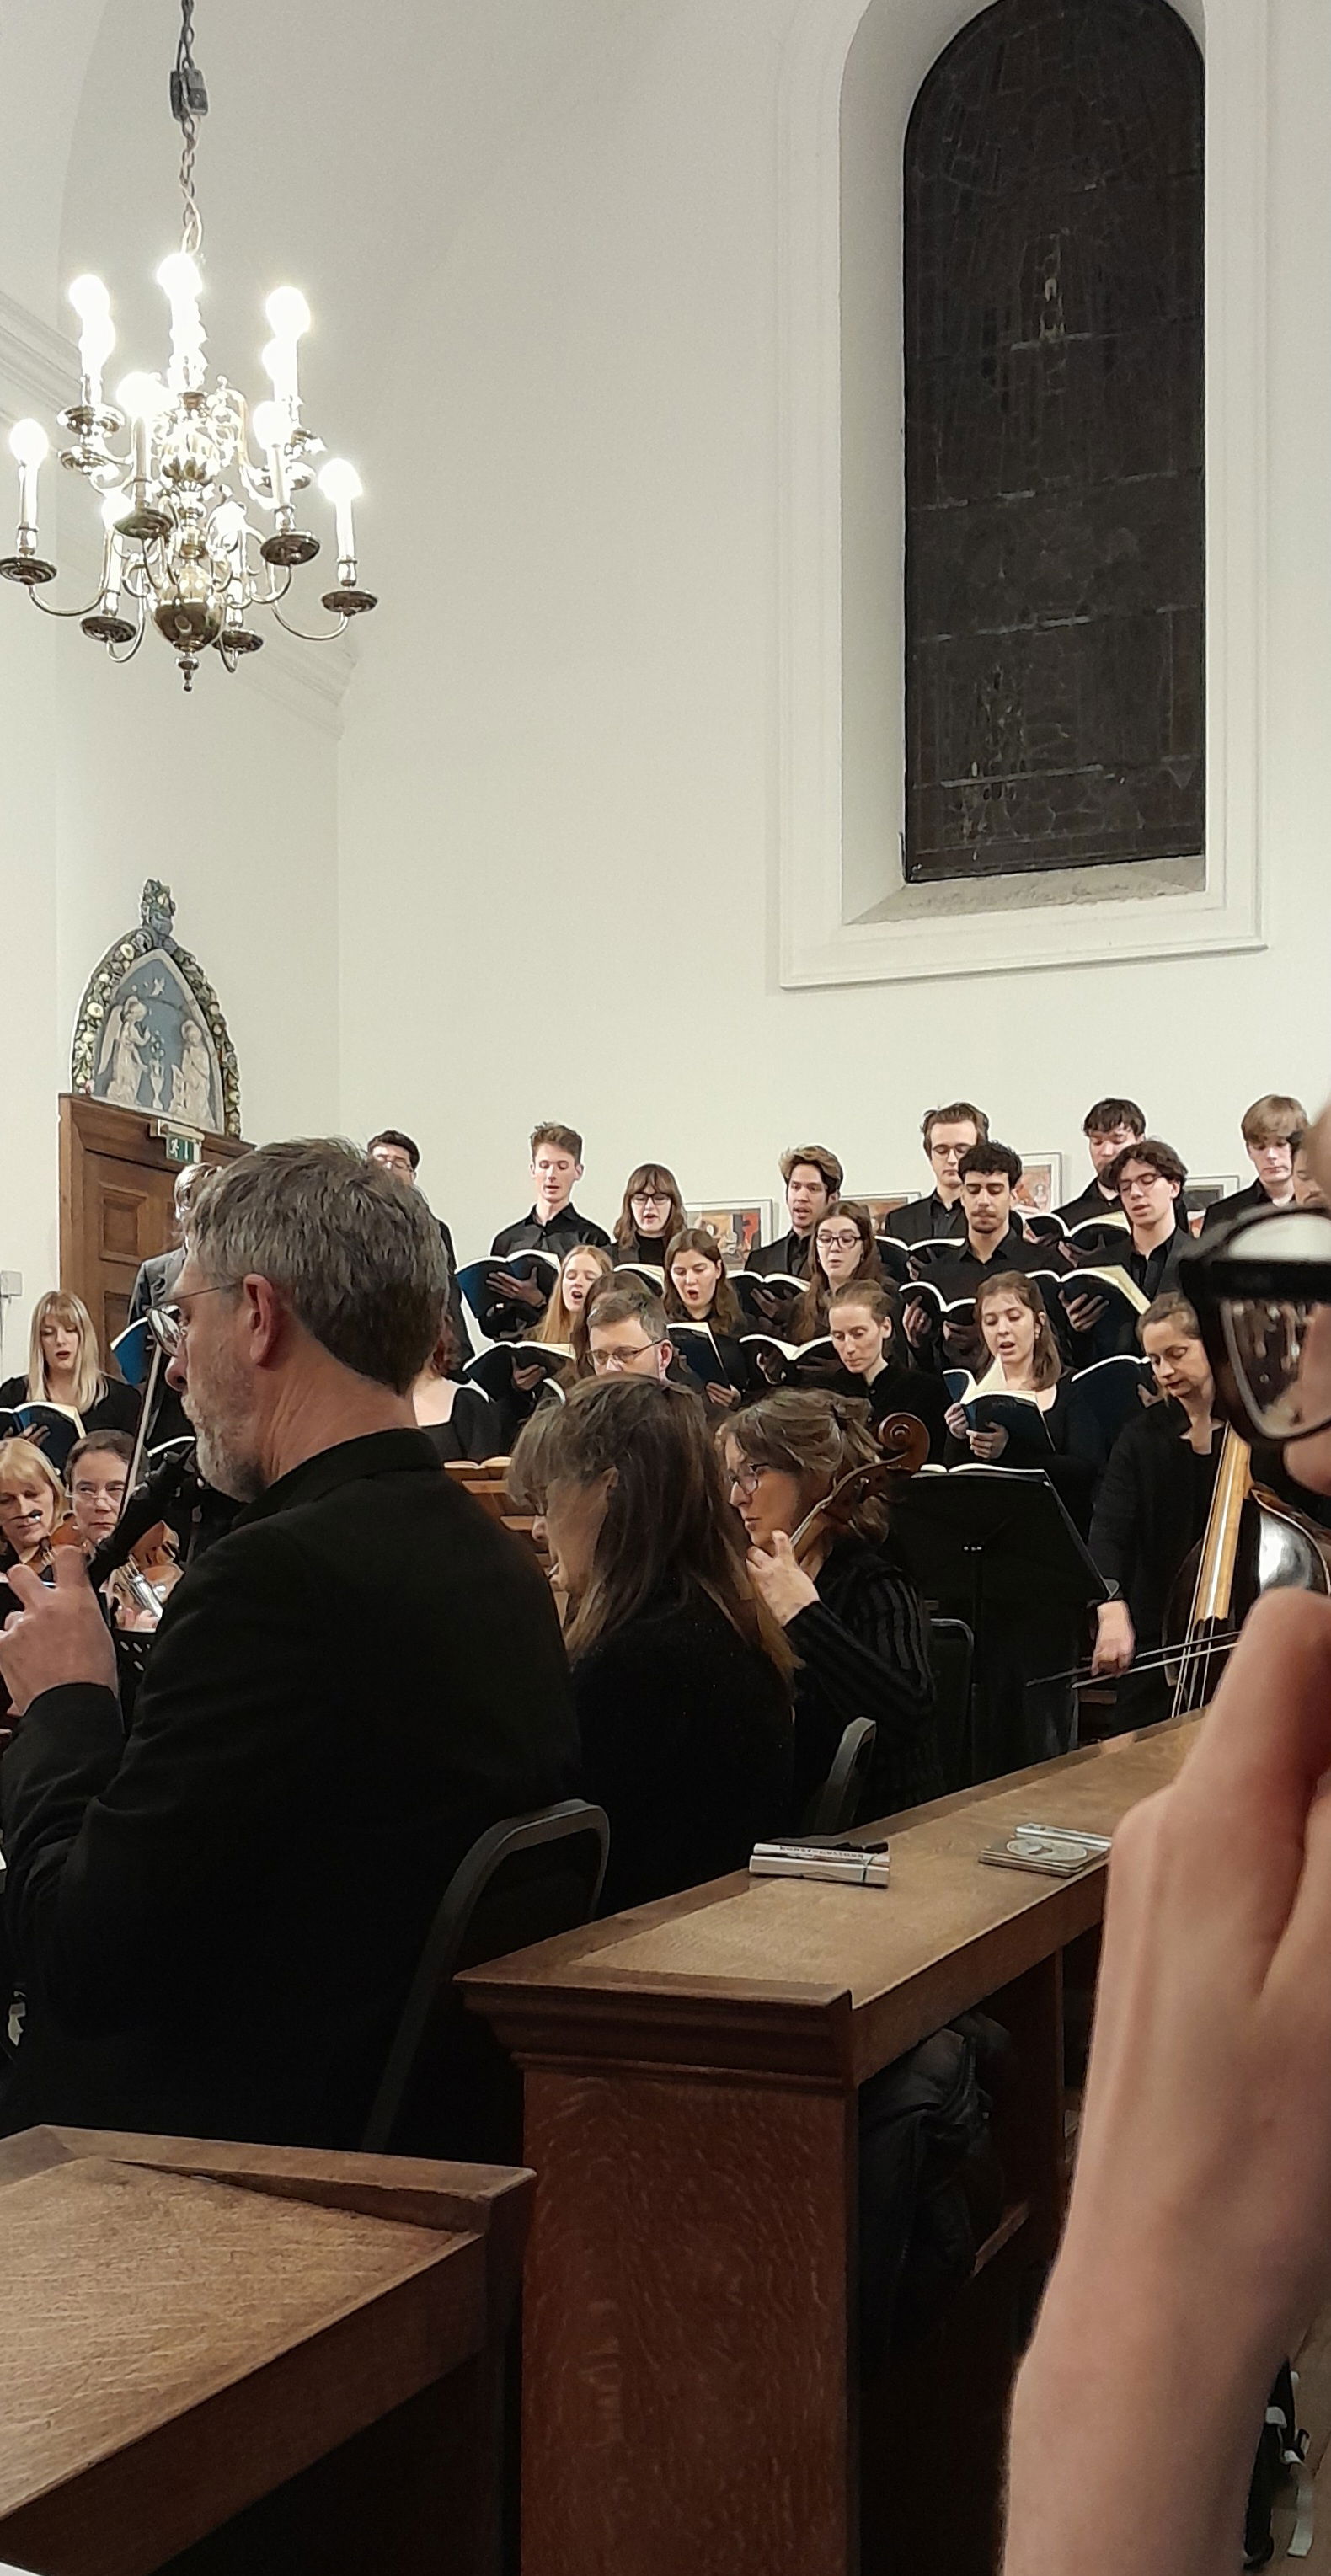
<point>189,101</point>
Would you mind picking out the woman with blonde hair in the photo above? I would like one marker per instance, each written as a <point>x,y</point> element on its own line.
<point>580,1271</point>
<point>33,1503</point>
<point>65,1369</point>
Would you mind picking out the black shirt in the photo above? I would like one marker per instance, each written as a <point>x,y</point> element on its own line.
<point>864,1652</point>
<point>533,1234</point>
<point>790,1256</point>
<point>1093,1202</point>
<point>1151,1508</point>
<point>1157,1270</point>
<point>687,1743</point>
<point>474,1428</point>
<point>924,1220</point>
<point>115,1409</point>
<point>898,1389</point>
<point>649,1249</point>
<point>1065,1442</point>
<point>1241,1203</point>
<point>216,1921</point>
<point>959,1274</point>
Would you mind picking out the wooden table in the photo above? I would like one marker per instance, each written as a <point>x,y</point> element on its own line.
<point>226,2358</point>
<point>691,2397</point>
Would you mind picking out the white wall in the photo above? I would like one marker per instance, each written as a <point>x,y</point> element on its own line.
<point>559,766</point>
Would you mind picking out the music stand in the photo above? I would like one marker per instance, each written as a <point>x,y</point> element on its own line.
<point>994,1536</point>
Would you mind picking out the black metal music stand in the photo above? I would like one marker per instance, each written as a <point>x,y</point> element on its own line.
<point>992,1536</point>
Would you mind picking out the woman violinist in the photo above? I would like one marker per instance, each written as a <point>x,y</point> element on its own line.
<point>846,1601</point>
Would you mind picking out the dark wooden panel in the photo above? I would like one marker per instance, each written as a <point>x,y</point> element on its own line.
<point>1055,537</point>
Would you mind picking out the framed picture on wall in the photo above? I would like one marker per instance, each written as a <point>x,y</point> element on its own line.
<point>1200,1193</point>
<point>1041,1185</point>
<point>880,1203</point>
<point>738,1230</point>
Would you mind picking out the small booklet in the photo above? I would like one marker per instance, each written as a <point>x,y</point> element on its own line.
<point>492,1370</point>
<point>477,1281</point>
<point>767,1301</point>
<point>650,1276</point>
<point>990,1407</point>
<point>1049,1851</point>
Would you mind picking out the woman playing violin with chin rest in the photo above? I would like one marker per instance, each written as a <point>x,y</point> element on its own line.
<point>845,1599</point>
<point>697,1291</point>
<point>681,1679</point>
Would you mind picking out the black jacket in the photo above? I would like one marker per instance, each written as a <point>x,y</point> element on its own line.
<point>156,1278</point>
<point>216,1921</point>
<point>864,1652</point>
<point>926,1220</point>
<point>790,1256</point>
<point>688,1745</point>
<point>1240,1203</point>
<point>1151,1508</point>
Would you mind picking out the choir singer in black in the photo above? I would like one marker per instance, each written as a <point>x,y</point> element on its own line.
<point>216,1919</point>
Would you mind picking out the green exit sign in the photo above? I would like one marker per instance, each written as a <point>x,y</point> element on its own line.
<point>182,1149</point>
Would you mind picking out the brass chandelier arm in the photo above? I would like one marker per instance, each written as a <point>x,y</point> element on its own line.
<point>330,638</point>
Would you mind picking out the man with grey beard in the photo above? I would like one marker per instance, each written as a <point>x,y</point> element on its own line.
<point>216,1918</point>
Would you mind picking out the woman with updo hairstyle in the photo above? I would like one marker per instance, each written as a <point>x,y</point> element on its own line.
<point>698,1291</point>
<point>874,1360</point>
<point>849,1606</point>
<point>652,1211</point>
<point>458,1420</point>
<point>680,1677</point>
<point>844,1247</point>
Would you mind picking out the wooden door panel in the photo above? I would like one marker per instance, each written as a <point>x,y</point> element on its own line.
<point>115,1203</point>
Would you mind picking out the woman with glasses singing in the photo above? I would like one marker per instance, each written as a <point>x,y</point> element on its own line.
<point>849,1607</point>
<point>844,1248</point>
<point>681,1678</point>
<point>652,1211</point>
<point>65,1368</point>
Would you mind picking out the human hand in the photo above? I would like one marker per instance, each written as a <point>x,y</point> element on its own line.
<point>1198,2244</point>
<point>955,1418</point>
<point>724,1396</point>
<point>1084,1313</point>
<point>1116,1639</point>
<point>517,1292</point>
<point>527,1376</point>
<point>915,1322</point>
<point>988,1446</point>
<point>59,1635</point>
<point>780,1580</point>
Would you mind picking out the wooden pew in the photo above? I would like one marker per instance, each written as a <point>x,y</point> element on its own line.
<point>488,1482</point>
<point>222,2358</point>
<point>691,2399</point>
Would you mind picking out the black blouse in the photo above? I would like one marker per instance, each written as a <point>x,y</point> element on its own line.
<point>473,1429</point>
<point>1073,1457</point>
<point>864,1652</point>
<point>687,1743</point>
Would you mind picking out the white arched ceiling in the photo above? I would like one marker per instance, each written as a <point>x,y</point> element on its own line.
<point>343,146</point>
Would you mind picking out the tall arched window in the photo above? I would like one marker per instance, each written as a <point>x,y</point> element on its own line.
<point>1055,560</point>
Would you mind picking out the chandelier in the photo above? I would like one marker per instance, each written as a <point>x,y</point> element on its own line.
<point>180,501</point>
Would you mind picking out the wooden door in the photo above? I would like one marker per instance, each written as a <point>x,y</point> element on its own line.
<point>115,1203</point>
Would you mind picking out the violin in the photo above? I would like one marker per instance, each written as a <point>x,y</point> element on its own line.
<point>139,1585</point>
<point>904,1443</point>
<point>1253,1543</point>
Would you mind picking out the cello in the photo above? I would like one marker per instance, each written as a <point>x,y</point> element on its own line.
<point>1254,1542</point>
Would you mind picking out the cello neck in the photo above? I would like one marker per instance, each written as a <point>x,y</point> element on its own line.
<point>1215,1574</point>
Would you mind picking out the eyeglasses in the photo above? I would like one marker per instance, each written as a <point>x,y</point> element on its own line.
<point>837,1242</point>
<point>169,1324</point>
<point>745,1480</point>
<point>650,1198</point>
<point>604,1361</point>
<point>1256,1289</point>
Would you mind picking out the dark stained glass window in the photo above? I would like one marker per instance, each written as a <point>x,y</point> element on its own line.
<point>1055,572</point>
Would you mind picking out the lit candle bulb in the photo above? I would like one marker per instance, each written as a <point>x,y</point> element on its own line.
<point>144,398</point>
<point>97,338</point>
<point>269,422</point>
<point>341,484</point>
<point>29,443</point>
<point>288,318</point>
<point>180,279</point>
<point>113,508</point>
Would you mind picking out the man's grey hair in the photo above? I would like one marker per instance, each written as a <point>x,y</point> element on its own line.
<point>357,1257</point>
<point>630,1303</point>
<point>186,1182</point>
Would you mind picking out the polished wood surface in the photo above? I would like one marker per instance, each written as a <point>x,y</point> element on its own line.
<point>115,1202</point>
<point>691,2070</point>
<point>196,2334</point>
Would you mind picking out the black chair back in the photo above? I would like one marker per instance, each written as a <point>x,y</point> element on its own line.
<point>834,1808</point>
<point>447,2088</point>
<point>952,1654</point>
